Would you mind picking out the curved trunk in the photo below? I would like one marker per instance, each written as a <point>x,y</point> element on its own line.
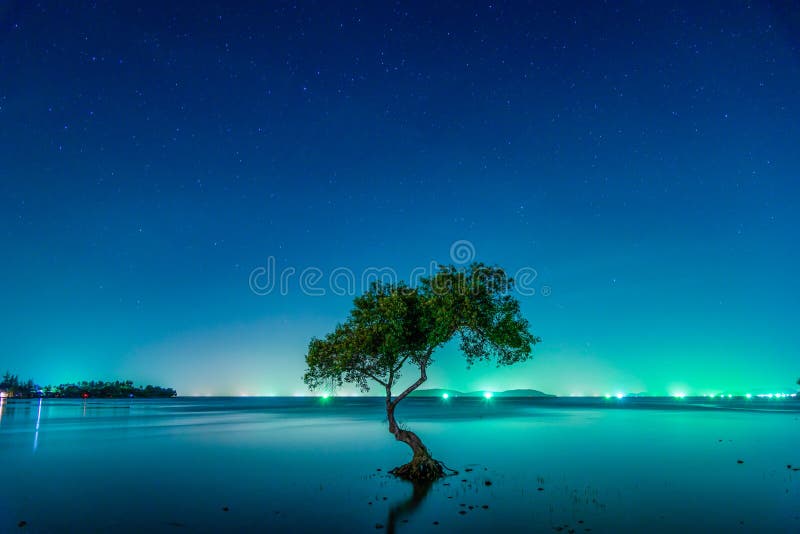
<point>406,436</point>
<point>422,466</point>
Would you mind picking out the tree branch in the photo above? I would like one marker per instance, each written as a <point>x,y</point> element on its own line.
<point>423,376</point>
<point>375,378</point>
<point>399,365</point>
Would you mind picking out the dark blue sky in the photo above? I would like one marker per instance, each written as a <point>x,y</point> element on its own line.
<point>641,156</point>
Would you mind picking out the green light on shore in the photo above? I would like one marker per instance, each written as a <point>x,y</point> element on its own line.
<point>326,395</point>
<point>487,395</point>
<point>445,395</point>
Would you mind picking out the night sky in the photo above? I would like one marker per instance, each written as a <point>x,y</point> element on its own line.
<point>642,157</point>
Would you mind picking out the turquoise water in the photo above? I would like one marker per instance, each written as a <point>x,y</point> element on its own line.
<point>307,464</point>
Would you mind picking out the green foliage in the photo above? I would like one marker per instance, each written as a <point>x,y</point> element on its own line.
<point>391,325</point>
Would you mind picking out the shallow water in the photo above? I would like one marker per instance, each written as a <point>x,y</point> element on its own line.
<point>307,464</point>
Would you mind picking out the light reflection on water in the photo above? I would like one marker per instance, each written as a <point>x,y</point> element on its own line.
<point>301,464</point>
<point>38,421</point>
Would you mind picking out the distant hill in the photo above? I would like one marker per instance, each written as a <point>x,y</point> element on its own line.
<point>438,392</point>
<point>515,393</point>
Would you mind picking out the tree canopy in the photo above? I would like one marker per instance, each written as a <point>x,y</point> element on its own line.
<point>394,324</point>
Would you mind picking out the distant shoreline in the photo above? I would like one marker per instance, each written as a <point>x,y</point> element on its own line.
<point>12,387</point>
<point>452,393</point>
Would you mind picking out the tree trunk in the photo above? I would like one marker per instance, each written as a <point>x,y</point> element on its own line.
<point>422,466</point>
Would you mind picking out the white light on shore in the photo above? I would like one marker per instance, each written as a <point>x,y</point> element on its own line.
<point>680,395</point>
<point>445,395</point>
<point>487,395</point>
<point>620,395</point>
<point>749,396</point>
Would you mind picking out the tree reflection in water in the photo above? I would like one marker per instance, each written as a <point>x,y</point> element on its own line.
<point>405,508</point>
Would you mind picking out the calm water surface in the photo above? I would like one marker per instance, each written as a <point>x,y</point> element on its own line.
<point>299,464</point>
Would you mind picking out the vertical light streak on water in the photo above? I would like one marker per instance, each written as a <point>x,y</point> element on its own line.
<point>38,420</point>
<point>2,405</point>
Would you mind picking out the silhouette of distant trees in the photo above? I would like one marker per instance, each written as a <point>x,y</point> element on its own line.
<point>11,384</point>
<point>13,387</point>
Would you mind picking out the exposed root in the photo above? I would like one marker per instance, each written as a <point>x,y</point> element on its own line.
<point>420,469</point>
<point>452,471</point>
